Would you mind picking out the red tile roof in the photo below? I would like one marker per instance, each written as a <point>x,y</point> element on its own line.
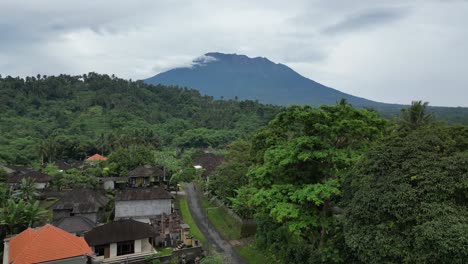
<point>45,244</point>
<point>96,157</point>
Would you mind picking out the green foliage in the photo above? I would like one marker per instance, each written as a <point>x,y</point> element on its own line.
<point>415,116</point>
<point>232,174</point>
<point>406,201</point>
<point>20,209</point>
<point>3,175</point>
<point>70,117</point>
<point>300,161</point>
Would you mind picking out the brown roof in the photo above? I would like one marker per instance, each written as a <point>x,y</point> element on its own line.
<point>208,161</point>
<point>35,175</point>
<point>45,244</point>
<point>81,201</point>
<point>117,231</point>
<point>96,157</point>
<point>145,171</point>
<point>157,193</point>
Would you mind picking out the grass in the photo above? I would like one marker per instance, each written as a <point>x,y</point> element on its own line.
<point>187,216</point>
<point>45,205</point>
<point>253,255</point>
<point>164,252</point>
<point>227,225</point>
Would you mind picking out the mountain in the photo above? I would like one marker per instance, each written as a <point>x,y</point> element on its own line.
<point>238,76</point>
<point>232,75</point>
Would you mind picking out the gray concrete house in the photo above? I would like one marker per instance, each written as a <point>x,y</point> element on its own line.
<point>41,180</point>
<point>82,202</point>
<point>142,204</point>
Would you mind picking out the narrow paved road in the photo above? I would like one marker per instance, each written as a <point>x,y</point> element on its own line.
<point>213,237</point>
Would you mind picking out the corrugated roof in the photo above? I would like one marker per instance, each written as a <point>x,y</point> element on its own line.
<point>47,243</point>
<point>157,193</point>
<point>74,224</point>
<point>81,201</point>
<point>117,231</point>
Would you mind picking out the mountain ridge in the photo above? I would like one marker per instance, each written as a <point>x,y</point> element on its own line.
<point>237,76</point>
<point>255,78</point>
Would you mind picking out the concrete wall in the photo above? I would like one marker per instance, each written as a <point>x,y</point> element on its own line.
<point>40,185</point>
<point>109,185</point>
<point>137,246</point>
<point>146,245</point>
<point>6,251</point>
<point>113,250</point>
<point>142,208</point>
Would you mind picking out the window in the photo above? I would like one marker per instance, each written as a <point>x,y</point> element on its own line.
<point>126,247</point>
<point>99,249</point>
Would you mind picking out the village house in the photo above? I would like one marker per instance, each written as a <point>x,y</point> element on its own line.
<point>41,180</point>
<point>111,183</point>
<point>145,176</point>
<point>142,204</point>
<point>128,238</point>
<point>76,225</point>
<point>84,202</point>
<point>47,244</point>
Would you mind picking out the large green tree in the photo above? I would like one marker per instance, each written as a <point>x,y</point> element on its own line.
<point>406,202</point>
<point>300,160</point>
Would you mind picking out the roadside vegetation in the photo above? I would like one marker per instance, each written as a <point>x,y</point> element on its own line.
<point>187,217</point>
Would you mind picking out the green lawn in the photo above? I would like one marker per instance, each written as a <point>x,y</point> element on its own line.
<point>227,225</point>
<point>164,252</point>
<point>187,217</point>
<point>253,255</point>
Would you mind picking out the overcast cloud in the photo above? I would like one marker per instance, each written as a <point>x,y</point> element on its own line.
<point>389,51</point>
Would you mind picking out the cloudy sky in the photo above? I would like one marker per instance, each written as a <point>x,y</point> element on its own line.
<point>390,51</point>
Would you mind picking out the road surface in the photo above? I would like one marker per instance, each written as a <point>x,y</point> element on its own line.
<point>212,236</point>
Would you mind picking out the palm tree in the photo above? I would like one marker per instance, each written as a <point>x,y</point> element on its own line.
<point>415,116</point>
<point>27,191</point>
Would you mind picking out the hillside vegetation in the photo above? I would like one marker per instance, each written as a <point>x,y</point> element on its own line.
<point>70,117</point>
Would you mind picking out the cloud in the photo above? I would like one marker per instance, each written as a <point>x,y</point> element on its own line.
<point>365,20</point>
<point>395,51</point>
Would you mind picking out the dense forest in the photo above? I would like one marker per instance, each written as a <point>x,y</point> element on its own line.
<point>337,184</point>
<point>47,118</point>
<point>329,184</point>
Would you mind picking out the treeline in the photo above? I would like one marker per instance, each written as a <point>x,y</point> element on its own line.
<point>340,185</point>
<point>47,118</point>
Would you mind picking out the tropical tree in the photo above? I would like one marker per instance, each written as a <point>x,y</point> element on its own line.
<point>26,191</point>
<point>300,161</point>
<point>406,201</point>
<point>415,116</point>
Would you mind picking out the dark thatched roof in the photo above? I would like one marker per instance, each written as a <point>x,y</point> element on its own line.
<point>74,224</point>
<point>157,193</point>
<point>35,175</point>
<point>208,161</point>
<point>81,201</point>
<point>145,171</point>
<point>118,231</point>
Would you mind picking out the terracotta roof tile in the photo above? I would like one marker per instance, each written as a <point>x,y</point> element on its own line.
<point>96,157</point>
<point>46,244</point>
